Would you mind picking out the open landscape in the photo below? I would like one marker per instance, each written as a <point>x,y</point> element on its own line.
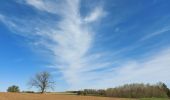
<point>84,49</point>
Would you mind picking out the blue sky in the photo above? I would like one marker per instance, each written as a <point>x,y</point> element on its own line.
<point>85,43</point>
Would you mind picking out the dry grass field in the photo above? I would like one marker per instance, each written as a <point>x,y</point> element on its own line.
<point>25,96</point>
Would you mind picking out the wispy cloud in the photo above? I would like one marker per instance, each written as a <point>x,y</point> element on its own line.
<point>7,22</point>
<point>151,69</point>
<point>70,40</point>
<point>157,32</point>
<point>95,15</point>
<point>38,4</point>
<point>43,5</point>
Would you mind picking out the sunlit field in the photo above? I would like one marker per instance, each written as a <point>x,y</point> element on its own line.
<point>25,96</point>
<point>60,96</point>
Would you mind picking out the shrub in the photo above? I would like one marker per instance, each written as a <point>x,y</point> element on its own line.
<point>28,91</point>
<point>13,89</point>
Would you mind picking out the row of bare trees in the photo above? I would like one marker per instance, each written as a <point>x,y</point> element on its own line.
<point>131,91</point>
<point>139,90</point>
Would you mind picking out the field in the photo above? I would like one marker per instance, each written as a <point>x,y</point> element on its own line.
<point>24,96</point>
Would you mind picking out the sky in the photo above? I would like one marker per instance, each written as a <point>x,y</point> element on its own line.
<point>84,43</point>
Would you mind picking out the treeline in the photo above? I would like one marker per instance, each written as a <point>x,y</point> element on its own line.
<point>159,90</point>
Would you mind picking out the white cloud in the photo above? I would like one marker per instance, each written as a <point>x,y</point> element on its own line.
<point>1,17</point>
<point>70,38</point>
<point>95,15</point>
<point>70,41</point>
<point>37,3</point>
<point>149,70</point>
<point>43,5</point>
<point>157,32</point>
<point>73,40</point>
<point>6,21</point>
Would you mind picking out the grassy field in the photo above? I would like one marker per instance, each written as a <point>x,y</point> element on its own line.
<point>154,99</point>
<point>26,96</point>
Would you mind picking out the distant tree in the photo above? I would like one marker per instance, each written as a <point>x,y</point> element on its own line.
<point>168,93</point>
<point>42,81</point>
<point>13,89</point>
<point>164,87</point>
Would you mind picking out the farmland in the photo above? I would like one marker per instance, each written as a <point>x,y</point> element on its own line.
<point>25,96</point>
<point>29,96</point>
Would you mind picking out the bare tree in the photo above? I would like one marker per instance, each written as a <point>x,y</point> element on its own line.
<point>42,81</point>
